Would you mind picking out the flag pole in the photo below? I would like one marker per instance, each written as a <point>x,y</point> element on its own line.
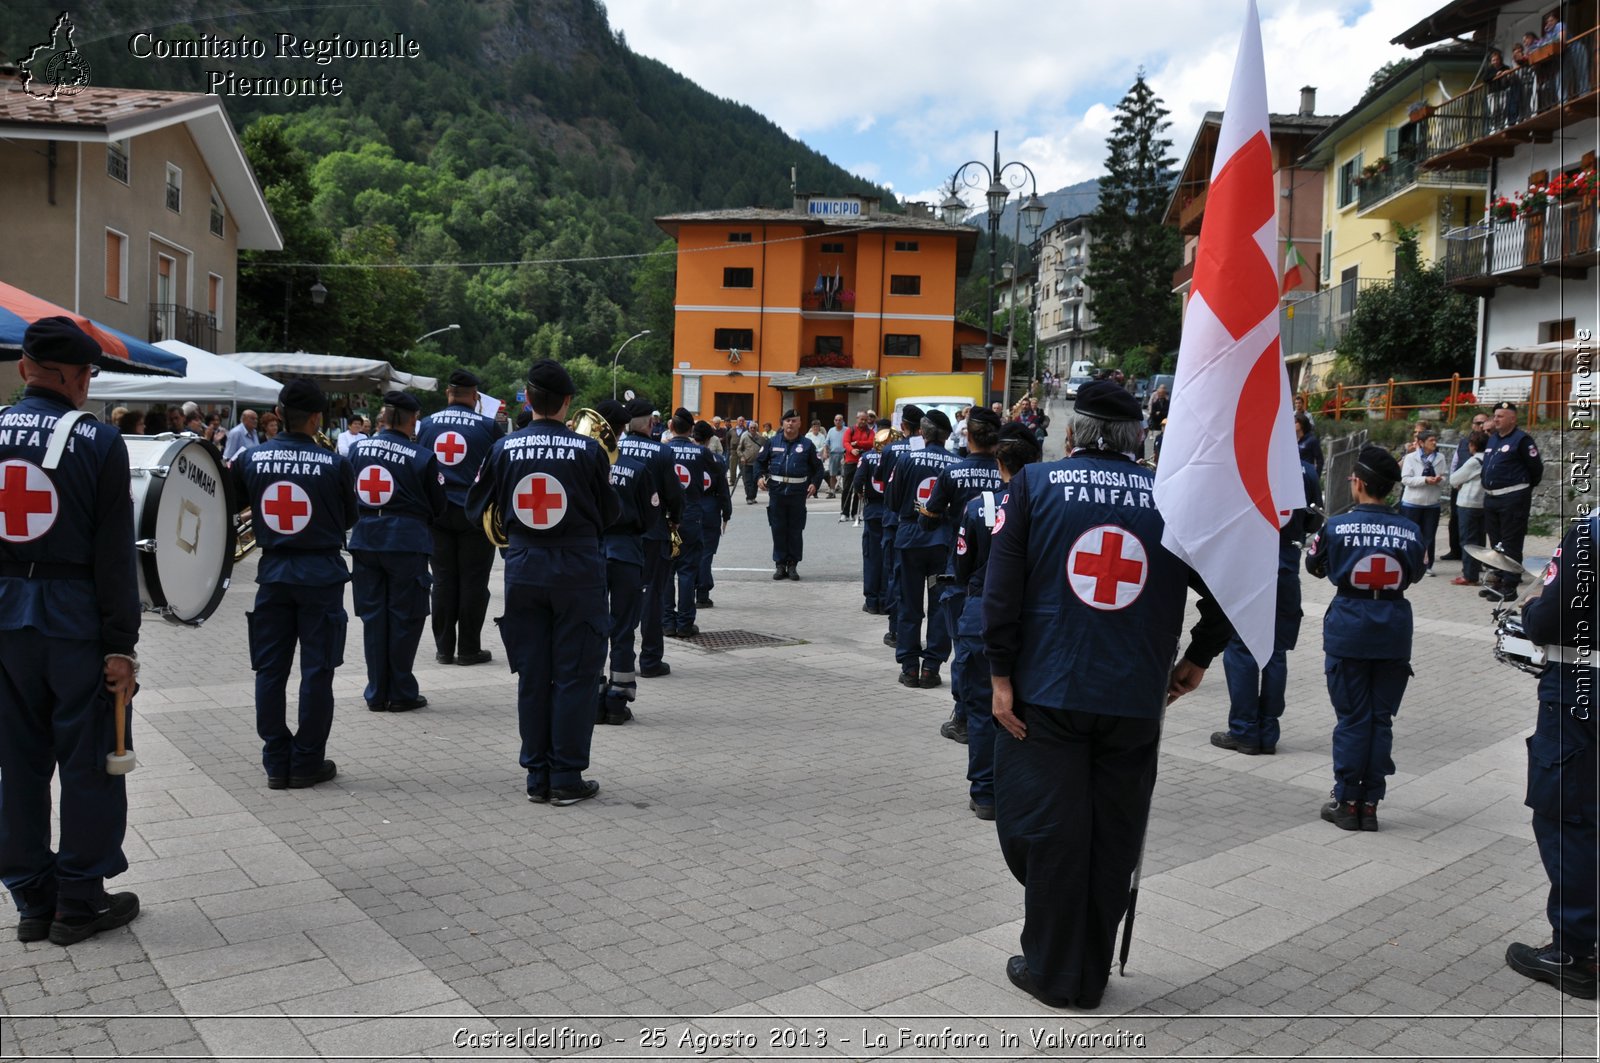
<point>1138,870</point>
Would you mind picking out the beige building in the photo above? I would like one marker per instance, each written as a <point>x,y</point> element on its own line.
<point>130,206</point>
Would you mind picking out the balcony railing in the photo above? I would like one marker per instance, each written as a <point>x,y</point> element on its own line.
<point>1398,173</point>
<point>1189,213</point>
<point>169,321</point>
<point>1558,241</point>
<point>1317,322</point>
<point>829,302</point>
<point>827,360</point>
<point>1183,275</point>
<point>1531,102</point>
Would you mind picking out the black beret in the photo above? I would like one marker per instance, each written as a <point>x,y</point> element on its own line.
<point>59,340</point>
<point>402,400</point>
<point>1108,401</point>
<point>639,408</point>
<point>1016,430</point>
<point>703,431</point>
<point>303,395</point>
<point>461,378</point>
<point>912,414</point>
<point>787,414</point>
<point>615,413</point>
<point>1506,406</point>
<point>940,419</point>
<point>682,413</point>
<point>1378,465</point>
<point>548,376</point>
<point>984,415</point>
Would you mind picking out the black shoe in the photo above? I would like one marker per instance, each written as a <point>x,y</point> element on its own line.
<point>1546,964</point>
<point>562,796</point>
<point>954,729</point>
<point>1449,557</point>
<point>324,773</point>
<point>930,679</point>
<point>1496,594</point>
<point>781,572</point>
<point>1369,815</point>
<point>794,571</point>
<point>33,927</point>
<point>656,671</point>
<point>1226,740</point>
<point>407,704</point>
<point>1346,815</point>
<point>689,631</point>
<point>984,812</point>
<point>445,658</point>
<point>868,607</point>
<point>1017,971</point>
<point>540,797</point>
<point>909,679</point>
<point>476,657</point>
<point>888,638</point>
<point>669,632</point>
<point>110,911</point>
<point>703,601</point>
<point>277,782</point>
<point>616,717</point>
<point>377,706</point>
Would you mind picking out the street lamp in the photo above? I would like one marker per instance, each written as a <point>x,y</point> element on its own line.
<point>435,332</point>
<point>1032,212</point>
<point>319,295</point>
<point>618,355</point>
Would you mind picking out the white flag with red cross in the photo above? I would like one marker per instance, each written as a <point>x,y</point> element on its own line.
<point>1230,470</point>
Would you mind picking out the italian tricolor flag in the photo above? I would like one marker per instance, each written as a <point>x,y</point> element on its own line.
<point>1296,270</point>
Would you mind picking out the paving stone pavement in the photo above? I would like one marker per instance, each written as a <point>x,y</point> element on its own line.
<point>781,863</point>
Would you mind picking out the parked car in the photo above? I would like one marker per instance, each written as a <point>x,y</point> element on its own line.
<point>1075,383</point>
<point>1141,390</point>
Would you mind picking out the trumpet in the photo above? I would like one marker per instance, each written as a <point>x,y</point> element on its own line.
<point>244,537</point>
<point>884,436</point>
<point>585,422</point>
<point>494,528</point>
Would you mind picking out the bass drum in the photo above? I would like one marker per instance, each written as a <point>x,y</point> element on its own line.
<point>1512,645</point>
<point>183,525</point>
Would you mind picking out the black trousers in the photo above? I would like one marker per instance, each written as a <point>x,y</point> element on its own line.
<point>849,501</point>
<point>1507,527</point>
<point>1455,524</point>
<point>1071,803</point>
<point>462,559</point>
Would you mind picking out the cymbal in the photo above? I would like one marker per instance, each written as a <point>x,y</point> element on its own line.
<point>1504,562</point>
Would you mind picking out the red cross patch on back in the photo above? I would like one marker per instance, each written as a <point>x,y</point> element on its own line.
<point>540,501</point>
<point>1107,567</point>
<point>28,502</point>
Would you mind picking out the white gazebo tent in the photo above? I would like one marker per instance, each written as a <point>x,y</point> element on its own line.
<point>334,372</point>
<point>210,378</point>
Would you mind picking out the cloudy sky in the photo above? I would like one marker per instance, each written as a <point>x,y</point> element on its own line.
<point>903,92</point>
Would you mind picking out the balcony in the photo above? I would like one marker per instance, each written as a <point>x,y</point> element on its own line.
<point>827,360</point>
<point>1073,294</point>
<point>169,321</point>
<point>1190,213</point>
<point>828,304</point>
<point>1530,104</point>
<point>1317,323</point>
<point>1560,242</point>
<point>1182,276</point>
<point>1398,181</point>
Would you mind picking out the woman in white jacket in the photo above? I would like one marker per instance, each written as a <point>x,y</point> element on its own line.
<point>1423,475</point>
<point>1468,483</point>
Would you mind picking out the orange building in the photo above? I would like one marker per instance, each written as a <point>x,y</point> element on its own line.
<point>808,308</point>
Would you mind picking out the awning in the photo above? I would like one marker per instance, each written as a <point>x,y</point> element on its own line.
<point>1553,357</point>
<point>120,351</point>
<point>211,378</point>
<point>822,378</point>
<point>334,372</point>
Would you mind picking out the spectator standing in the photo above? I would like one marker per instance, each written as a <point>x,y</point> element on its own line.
<point>1423,475</point>
<point>131,423</point>
<point>352,435</point>
<point>750,444</point>
<point>271,424</point>
<point>1306,439</point>
<point>958,435</point>
<point>819,440</point>
<point>857,440</point>
<point>1480,423</point>
<point>241,437</point>
<point>1466,490</point>
<point>835,460</point>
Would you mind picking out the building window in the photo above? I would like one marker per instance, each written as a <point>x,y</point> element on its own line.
<point>1347,291</point>
<point>116,266</point>
<point>732,406</point>
<point>1346,188</point>
<point>117,160</point>
<point>830,345</point>
<point>174,188</point>
<point>730,339</point>
<point>905,245</point>
<point>1327,255</point>
<point>832,248</point>
<point>738,277</point>
<point>218,214</point>
<point>904,284</point>
<point>898,346</point>
<point>214,298</point>
<point>738,238</point>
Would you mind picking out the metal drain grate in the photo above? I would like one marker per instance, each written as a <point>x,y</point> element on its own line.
<point>737,640</point>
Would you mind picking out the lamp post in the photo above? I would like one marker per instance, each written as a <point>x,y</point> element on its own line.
<point>618,355</point>
<point>319,295</point>
<point>1032,210</point>
<point>435,332</point>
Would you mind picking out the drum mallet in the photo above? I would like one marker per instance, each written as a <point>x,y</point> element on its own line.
<point>121,762</point>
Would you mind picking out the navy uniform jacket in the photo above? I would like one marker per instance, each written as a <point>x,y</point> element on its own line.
<point>959,484</point>
<point>302,499</point>
<point>974,533</point>
<point>886,462</point>
<point>639,501</point>
<point>401,495</point>
<point>1371,554</point>
<point>789,468</point>
<point>716,500</point>
<point>655,457</point>
<point>1508,461</point>
<point>869,484</point>
<point>911,483</point>
<point>1082,605</point>
<point>78,515</point>
<point>460,437</point>
<point>554,491</point>
<point>1564,615</point>
<point>691,464</point>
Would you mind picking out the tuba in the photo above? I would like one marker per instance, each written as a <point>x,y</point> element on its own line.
<point>585,422</point>
<point>884,436</point>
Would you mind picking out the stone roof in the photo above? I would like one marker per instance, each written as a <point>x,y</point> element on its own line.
<point>98,108</point>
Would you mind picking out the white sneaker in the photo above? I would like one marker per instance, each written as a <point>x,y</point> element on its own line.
<point>843,518</point>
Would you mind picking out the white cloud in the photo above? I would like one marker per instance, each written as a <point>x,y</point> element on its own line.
<point>923,90</point>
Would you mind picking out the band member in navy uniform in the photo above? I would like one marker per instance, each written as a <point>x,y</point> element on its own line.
<point>460,438</point>
<point>716,510</point>
<point>69,621</point>
<point>1371,554</point>
<point>1017,447</point>
<point>1082,611</point>
<point>867,484</point>
<point>640,444</point>
<point>789,471</point>
<point>957,485</point>
<point>399,492</point>
<point>1512,468</point>
<point>554,495</point>
<point>692,464</point>
<point>1562,767</point>
<point>911,434</point>
<point>1257,693</point>
<point>924,554</point>
<point>624,547</point>
<point>303,499</point>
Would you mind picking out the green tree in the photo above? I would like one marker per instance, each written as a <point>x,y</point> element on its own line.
<point>1134,253</point>
<point>1417,328</point>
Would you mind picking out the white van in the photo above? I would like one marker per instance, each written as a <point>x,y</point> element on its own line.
<point>1082,369</point>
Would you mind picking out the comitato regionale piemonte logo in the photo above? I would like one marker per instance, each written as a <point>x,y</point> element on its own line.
<point>55,68</point>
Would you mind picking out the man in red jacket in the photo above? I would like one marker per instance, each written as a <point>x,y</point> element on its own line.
<point>857,441</point>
